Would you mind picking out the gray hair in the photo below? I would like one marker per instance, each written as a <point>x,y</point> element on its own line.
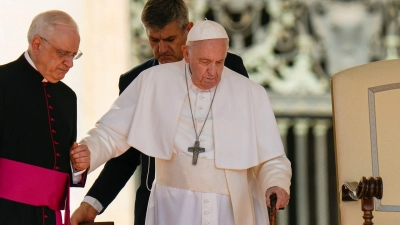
<point>158,13</point>
<point>45,23</point>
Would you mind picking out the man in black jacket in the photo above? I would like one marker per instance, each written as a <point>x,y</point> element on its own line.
<point>167,25</point>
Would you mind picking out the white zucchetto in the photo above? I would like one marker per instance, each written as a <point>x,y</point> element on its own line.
<point>205,30</point>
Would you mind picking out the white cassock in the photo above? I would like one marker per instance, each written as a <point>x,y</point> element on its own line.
<point>243,154</point>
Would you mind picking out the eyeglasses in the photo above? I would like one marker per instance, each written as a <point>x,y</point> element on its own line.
<point>74,56</point>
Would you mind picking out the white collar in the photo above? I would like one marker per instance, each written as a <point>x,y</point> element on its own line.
<point>28,58</point>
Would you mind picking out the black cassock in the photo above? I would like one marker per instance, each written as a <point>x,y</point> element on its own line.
<point>37,127</point>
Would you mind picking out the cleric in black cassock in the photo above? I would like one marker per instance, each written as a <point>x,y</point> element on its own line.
<point>38,125</point>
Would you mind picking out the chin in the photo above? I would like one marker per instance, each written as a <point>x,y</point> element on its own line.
<point>58,78</point>
<point>167,59</point>
<point>208,86</point>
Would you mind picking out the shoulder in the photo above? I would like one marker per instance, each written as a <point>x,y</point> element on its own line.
<point>66,90</point>
<point>7,71</point>
<point>163,74</point>
<point>160,75</point>
<point>134,72</point>
<point>9,66</point>
<point>4,73</point>
<point>233,75</point>
<point>235,63</point>
<point>230,57</point>
<point>168,67</point>
<point>164,71</point>
<point>129,76</point>
<point>241,81</point>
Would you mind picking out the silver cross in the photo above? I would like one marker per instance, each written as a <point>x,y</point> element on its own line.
<point>196,150</point>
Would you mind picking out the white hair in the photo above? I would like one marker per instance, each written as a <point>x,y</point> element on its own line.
<point>45,22</point>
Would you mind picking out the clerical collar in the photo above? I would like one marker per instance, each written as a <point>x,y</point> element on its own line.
<point>28,58</point>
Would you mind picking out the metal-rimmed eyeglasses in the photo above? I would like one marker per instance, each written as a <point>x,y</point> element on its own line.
<point>74,56</point>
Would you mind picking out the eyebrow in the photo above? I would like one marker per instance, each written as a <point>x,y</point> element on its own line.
<point>205,59</point>
<point>169,37</point>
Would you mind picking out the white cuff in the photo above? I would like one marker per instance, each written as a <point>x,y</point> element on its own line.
<point>94,203</point>
<point>76,174</point>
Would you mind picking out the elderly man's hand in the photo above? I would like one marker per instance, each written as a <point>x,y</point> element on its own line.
<point>85,213</point>
<point>282,197</point>
<point>80,156</point>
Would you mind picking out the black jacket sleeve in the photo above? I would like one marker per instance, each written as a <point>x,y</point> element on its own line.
<point>114,176</point>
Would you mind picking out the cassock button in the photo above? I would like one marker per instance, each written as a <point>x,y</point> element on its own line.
<point>206,212</point>
<point>45,216</point>
<point>199,108</point>
<point>53,131</point>
<point>206,201</point>
<point>201,97</point>
<point>202,139</point>
<point>50,107</point>
<point>55,142</point>
<point>52,119</point>
<point>58,154</point>
<point>49,96</point>
<point>200,120</point>
<point>57,168</point>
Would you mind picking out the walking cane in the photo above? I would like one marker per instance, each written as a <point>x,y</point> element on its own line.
<point>272,212</point>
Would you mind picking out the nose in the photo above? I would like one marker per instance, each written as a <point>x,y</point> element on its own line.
<point>69,62</point>
<point>162,47</point>
<point>212,69</point>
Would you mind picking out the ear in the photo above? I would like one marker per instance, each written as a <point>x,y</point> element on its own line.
<point>185,51</point>
<point>189,26</point>
<point>36,44</point>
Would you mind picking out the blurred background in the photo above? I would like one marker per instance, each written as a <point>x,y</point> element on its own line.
<point>292,47</point>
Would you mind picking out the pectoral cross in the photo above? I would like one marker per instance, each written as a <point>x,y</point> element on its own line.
<point>196,150</point>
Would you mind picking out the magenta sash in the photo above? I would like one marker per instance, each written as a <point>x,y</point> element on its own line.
<point>37,186</point>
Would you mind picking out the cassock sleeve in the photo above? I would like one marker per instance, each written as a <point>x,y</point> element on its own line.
<point>82,181</point>
<point>2,99</point>
<point>1,109</point>
<point>274,172</point>
<point>108,138</point>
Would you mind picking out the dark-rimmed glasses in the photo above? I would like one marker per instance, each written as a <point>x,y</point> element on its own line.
<point>74,56</point>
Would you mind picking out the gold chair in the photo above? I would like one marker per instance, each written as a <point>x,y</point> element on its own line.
<point>366,115</point>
